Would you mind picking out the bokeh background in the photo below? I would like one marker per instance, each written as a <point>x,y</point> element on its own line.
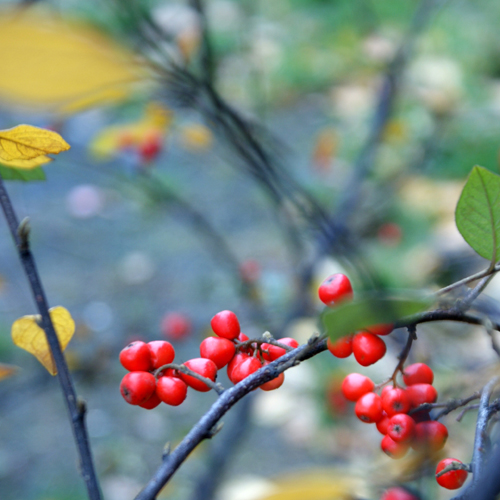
<point>374,111</point>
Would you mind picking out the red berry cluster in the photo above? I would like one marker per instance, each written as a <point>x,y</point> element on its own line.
<point>152,378</point>
<point>390,409</point>
<point>241,355</point>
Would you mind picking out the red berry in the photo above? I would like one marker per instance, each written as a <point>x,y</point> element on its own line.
<point>342,347</point>
<point>430,436</point>
<point>150,146</point>
<point>368,348</point>
<point>369,408</point>
<point>275,352</point>
<point>398,493</point>
<point>401,428</point>
<point>418,373</point>
<point>334,289</point>
<point>136,357</point>
<point>137,387</point>
<point>244,368</point>
<point>273,383</point>
<point>237,359</point>
<point>421,393</point>
<point>152,402</point>
<point>453,479</point>
<point>175,326</point>
<point>204,367</point>
<point>218,349</point>
<point>171,390</point>
<point>225,324</point>
<point>383,423</point>
<point>395,400</point>
<point>392,448</point>
<point>356,385</point>
<point>162,353</point>
<point>382,329</point>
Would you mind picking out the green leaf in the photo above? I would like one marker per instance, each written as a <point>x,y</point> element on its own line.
<point>17,174</point>
<point>478,213</point>
<point>370,309</point>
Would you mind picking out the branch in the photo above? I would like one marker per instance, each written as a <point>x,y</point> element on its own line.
<point>223,404</point>
<point>465,281</point>
<point>76,407</point>
<point>206,51</point>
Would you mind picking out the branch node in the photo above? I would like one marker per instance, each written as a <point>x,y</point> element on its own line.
<point>81,405</point>
<point>166,450</point>
<point>215,430</point>
<point>267,336</point>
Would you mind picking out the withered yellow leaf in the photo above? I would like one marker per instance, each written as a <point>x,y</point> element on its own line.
<point>29,336</point>
<point>7,371</point>
<point>53,63</point>
<point>25,146</point>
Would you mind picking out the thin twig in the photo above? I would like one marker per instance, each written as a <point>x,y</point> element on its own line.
<point>76,411</point>
<point>465,410</point>
<point>447,406</point>
<point>469,279</point>
<point>412,335</point>
<point>223,404</point>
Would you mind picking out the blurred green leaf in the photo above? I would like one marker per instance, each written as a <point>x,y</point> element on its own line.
<point>371,309</point>
<point>478,213</point>
<point>17,174</point>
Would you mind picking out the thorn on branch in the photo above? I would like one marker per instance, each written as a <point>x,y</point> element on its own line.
<point>81,405</point>
<point>215,430</point>
<point>23,231</point>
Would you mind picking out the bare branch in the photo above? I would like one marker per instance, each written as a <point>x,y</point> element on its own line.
<point>20,235</point>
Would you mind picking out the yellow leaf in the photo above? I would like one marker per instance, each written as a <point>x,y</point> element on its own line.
<point>27,164</point>
<point>29,336</point>
<point>7,371</point>
<point>196,137</point>
<point>25,146</point>
<point>53,63</point>
<point>318,485</point>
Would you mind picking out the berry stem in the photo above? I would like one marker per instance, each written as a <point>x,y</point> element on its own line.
<point>447,406</point>
<point>454,466</point>
<point>403,355</point>
<point>218,388</point>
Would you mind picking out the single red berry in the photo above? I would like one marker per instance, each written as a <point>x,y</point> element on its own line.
<point>342,347</point>
<point>421,393</point>
<point>137,387</point>
<point>152,402</point>
<point>275,352</point>
<point>356,385</point>
<point>394,449</point>
<point>334,289</point>
<point>382,329</point>
<point>237,359</point>
<point>150,147</point>
<point>162,353</point>
<point>274,383</point>
<point>398,493</point>
<point>368,348</point>
<point>244,368</point>
<point>369,408</point>
<point>418,373</point>
<point>218,349</point>
<point>401,428</point>
<point>395,400</point>
<point>383,424</point>
<point>429,436</point>
<point>204,367</point>
<point>225,324</point>
<point>176,326</point>
<point>453,479</point>
<point>171,390</point>
<point>136,357</point>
